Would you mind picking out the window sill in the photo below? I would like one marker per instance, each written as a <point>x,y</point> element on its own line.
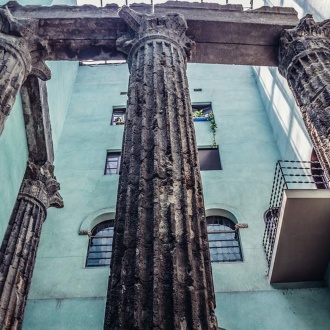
<point>200,119</point>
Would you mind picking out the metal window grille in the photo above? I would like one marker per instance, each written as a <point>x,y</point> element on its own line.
<point>118,116</point>
<point>224,242</point>
<point>100,245</point>
<point>289,174</point>
<point>112,164</point>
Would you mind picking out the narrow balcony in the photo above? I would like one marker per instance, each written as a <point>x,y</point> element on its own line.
<point>296,238</point>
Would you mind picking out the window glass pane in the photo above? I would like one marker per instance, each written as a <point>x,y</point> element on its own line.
<point>209,159</point>
<point>223,240</point>
<point>112,165</point>
<point>100,245</point>
<point>118,116</point>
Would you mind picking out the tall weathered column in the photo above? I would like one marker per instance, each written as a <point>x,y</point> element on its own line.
<point>20,54</point>
<point>39,191</point>
<point>160,270</point>
<point>304,60</point>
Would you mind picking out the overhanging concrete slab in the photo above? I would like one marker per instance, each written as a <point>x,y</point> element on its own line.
<point>302,246</point>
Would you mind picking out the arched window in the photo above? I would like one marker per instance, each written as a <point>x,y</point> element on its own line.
<point>100,245</point>
<point>223,238</point>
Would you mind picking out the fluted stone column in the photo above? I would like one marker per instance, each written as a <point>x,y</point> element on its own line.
<point>39,191</point>
<point>160,270</point>
<point>20,54</point>
<point>304,60</point>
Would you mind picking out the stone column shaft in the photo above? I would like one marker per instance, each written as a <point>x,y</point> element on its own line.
<point>160,269</point>
<point>19,247</point>
<point>305,62</point>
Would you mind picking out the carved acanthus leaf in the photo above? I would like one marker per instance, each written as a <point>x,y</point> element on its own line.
<point>171,25</point>
<point>43,176</point>
<point>306,37</point>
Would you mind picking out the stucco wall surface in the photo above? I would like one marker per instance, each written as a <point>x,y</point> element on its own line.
<point>319,8</point>
<point>303,309</point>
<point>59,89</point>
<point>60,271</point>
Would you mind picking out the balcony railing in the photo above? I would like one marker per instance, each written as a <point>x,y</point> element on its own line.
<point>289,175</point>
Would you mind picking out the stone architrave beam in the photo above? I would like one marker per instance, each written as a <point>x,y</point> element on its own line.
<point>223,33</point>
<point>304,60</point>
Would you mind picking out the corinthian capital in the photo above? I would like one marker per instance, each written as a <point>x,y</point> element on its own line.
<point>31,47</point>
<point>308,37</point>
<point>40,184</point>
<point>144,27</point>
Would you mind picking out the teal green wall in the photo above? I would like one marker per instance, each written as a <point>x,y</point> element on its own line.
<point>13,158</point>
<point>13,145</point>
<point>300,309</point>
<point>80,161</point>
<point>67,292</point>
<point>59,89</point>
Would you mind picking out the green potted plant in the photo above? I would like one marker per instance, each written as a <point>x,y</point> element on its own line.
<point>198,115</point>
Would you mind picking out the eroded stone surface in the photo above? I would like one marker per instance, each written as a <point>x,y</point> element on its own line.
<point>160,269</point>
<point>18,251</point>
<point>305,63</point>
<point>21,53</point>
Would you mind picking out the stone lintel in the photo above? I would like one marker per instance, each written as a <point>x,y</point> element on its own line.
<point>37,120</point>
<point>222,33</point>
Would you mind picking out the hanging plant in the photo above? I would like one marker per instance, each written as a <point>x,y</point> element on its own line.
<point>213,126</point>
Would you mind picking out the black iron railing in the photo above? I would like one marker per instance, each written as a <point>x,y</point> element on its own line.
<point>289,175</point>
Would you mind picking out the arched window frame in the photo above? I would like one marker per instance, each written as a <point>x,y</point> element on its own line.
<point>224,239</point>
<point>100,245</point>
<point>90,222</point>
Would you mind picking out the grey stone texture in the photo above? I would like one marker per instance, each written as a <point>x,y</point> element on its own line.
<point>304,60</point>
<point>160,269</point>
<point>223,33</point>
<point>18,251</point>
<point>21,54</point>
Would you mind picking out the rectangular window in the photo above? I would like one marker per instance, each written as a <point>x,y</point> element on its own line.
<point>112,163</point>
<point>201,111</point>
<point>209,158</point>
<point>118,116</point>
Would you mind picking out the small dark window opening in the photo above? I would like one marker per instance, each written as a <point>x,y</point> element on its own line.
<point>224,240</point>
<point>201,109</point>
<point>209,158</point>
<point>112,163</point>
<point>118,116</point>
<point>100,245</point>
